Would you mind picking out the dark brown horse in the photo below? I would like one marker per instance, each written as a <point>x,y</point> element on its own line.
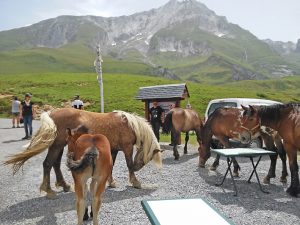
<point>123,130</point>
<point>225,124</point>
<point>89,156</point>
<point>181,120</point>
<point>286,120</point>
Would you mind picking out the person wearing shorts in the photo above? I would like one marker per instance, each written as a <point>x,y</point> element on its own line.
<point>15,111</point>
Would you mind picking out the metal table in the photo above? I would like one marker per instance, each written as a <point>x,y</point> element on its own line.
<point>192,211</point>
<point>250,153</point>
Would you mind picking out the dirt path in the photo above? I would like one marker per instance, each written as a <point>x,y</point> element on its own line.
<point>22,203</point>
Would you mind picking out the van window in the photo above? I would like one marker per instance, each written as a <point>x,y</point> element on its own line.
<point>217,105</point>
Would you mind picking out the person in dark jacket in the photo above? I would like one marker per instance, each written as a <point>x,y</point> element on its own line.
<point>156,115</point>
<point>27,113</point>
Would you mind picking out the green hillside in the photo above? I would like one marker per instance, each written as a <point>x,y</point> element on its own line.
<point>120,89</point>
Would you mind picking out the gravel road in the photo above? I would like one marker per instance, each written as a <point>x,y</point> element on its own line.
<point>22,203</point>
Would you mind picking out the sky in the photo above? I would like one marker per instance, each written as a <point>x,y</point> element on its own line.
<point>278,20</point>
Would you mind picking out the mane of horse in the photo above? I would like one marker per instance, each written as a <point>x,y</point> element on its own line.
<point>146,141</point>
<point>274,112</point>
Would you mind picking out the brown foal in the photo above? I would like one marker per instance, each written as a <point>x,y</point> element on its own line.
<point>89,157</point>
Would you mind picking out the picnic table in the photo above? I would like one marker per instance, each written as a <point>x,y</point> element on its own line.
<point>192,211</point>
<point>250,153</point>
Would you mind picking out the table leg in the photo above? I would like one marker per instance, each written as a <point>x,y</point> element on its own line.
<point>229,162</point>
<point>254,167</point>
<point>254,171</point>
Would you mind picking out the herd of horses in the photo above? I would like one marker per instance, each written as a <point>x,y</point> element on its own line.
<point>94,140</point>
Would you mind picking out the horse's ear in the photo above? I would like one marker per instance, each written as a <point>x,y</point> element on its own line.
<point>69,132</point>
<point>252,109</point>
<point>244,107</point>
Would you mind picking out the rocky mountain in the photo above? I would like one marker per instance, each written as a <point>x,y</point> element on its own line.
<point>283,48</point>
<point>184,38</point>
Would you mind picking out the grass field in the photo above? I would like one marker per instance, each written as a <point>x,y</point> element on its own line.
<point>120,90</point>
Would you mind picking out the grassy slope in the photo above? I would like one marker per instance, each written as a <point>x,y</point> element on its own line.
<point>120,89</point>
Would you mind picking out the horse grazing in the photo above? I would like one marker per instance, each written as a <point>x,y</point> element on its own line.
<point>225,124</point>
<point>123,130</point>
<point>89,156</point>
<point>284,118</point>
<point>181,120</point>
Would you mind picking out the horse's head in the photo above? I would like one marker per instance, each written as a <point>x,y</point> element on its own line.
<point>250,122</point>
<point>73,135</point>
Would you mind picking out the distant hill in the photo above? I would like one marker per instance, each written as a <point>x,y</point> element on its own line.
<point>180,40</point>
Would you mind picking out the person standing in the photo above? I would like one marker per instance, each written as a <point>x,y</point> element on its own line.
<point>15,110</point>
<point>156,114</point>
<point>27,112</point>
<point>77,103</point>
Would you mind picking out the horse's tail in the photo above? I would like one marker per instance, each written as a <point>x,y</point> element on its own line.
<point>146,142</point>
<point>88,159</point>
<point>167,126</point>
<point>41,140</point>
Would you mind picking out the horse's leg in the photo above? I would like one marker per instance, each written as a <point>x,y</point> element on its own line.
<point>187,137</point>
<point>111,181</point>
<point>291,150</point>
<point>271,172</point>
<point>282,155</point>
<point>80,187</point>
<point>284,172</point>
<point>215,164</point>
<point>128,151</point>
<point>97,200</point>
<point>53,154</point>
<point>176,136</point>
<point>60,182</point>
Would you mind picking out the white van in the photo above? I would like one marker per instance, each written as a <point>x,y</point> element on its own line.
<point>236,103</point>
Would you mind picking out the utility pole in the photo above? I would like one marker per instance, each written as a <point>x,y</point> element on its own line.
<point>98,68</point>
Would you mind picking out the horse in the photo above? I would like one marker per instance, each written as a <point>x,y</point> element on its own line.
<point>123,130</point>
<point>180,120</point>
<point>89,156</point>
<point>285,119</point>
<point>225,124</point>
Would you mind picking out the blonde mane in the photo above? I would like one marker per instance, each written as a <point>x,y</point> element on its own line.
<point>146,141</point>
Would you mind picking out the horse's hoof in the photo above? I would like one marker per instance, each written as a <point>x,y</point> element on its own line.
<point>283,180</point>
<point>212,168</point>
<point>51,195</point>
<point>293,191</point>
<point>137,184</point>
<point>176,158</point>
<point>266,180</point>
<point>112,184</point>
<point>66,188</point>
<point>201,165</point>
<point>185,152</point>
<point>235,174</point>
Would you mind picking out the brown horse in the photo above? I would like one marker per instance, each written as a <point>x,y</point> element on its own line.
<point>225,124</point>
<point>123,130</point>
<point>181,120</point>
<point>89,156</point>
<point>286,120</point>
